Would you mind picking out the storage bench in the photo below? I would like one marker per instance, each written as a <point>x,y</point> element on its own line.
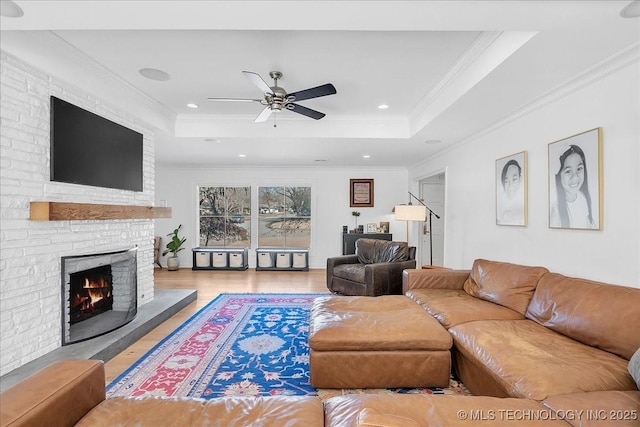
<point>293,259</point>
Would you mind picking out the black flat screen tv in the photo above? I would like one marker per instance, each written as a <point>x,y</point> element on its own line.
<point>91,150</point>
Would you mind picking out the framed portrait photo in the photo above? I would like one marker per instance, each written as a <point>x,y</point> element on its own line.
<point>511,190</point>
<point>361,193</point>
<point>575,181</point>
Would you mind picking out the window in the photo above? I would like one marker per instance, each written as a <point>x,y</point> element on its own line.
<point>284,219</point>
<point>225,216</point>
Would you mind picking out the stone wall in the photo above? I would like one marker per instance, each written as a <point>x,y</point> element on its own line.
<point>30,251</point>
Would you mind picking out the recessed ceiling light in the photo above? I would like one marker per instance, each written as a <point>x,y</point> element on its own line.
<point>9,9</point>
<point>193,106</point>
<point>154,74</point>
<point>433,141</point>
<point>365,156</point>
<point>632,10</point>
<point>242,155</point>
<point>383,106</point>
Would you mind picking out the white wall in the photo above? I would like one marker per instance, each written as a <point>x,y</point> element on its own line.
<point>609,99</point>
<point>330,201</point>
<point>30,251</point>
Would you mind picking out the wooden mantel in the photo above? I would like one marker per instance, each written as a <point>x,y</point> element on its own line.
<point>64,211</point>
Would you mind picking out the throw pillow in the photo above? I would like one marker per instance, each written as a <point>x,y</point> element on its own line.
<point>634,367</point>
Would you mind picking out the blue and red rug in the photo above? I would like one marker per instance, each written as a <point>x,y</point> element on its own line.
<point>237,345</point>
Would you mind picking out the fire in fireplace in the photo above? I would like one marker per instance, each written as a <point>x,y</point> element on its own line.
<point>99,293</point>
<point>91,293</point>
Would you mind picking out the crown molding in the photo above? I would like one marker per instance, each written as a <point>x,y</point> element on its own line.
<point>603,69</point>
<point>486,53</point>
<point>611,65</point>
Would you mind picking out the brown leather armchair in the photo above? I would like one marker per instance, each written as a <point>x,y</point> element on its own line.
<point>375,269</point>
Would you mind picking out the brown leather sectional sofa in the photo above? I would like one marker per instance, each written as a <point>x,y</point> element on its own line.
<point>535,348</point>
<point>72,393</point>
<point>524,332</point>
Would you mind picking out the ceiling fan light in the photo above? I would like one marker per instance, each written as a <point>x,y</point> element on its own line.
<point>277,99</point>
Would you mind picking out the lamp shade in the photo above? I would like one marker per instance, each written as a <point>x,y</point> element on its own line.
<point>410,213</point>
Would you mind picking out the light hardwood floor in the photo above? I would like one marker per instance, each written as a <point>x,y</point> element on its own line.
<point>210,284</point>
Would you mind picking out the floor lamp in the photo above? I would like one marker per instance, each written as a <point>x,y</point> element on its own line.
<point>410,213</point>
<point>416,213</point>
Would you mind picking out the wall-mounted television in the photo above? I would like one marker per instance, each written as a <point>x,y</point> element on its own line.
<point>91,150</point>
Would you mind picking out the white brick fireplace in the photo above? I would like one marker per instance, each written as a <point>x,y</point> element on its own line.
<point>31,251</point>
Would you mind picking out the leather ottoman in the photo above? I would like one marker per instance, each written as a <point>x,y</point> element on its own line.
<point>376,342</point>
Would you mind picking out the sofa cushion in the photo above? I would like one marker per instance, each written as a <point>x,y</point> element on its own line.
<point>353,272</point>
<point>594,313</point>
<point>634,367</point>
<point>454,306</point>
<point>437,411</point>
<point>221,412</point>
<point>598,408</point>
<point>509,285</point>
<point>373,251</point>
<point>534,362</point>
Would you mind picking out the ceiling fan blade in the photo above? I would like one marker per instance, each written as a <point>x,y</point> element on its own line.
<point>264,115</point>
<point>257,81</point>
<point>296,108</point>
<point>314,92</point>
<point>234,100</point>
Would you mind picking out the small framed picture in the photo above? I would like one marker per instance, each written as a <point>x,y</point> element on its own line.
<point>384,226</point>
<point>372,227</point>
<point>361,193</point>
<point>511,190</point>
<point>575,181</point>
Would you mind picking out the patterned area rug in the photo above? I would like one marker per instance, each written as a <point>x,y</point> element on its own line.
<point>238,345</point>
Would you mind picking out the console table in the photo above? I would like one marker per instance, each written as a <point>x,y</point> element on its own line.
<point>349,240</point>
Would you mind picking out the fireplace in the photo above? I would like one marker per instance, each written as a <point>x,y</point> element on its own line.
<point>91,293</point>
<point>99,293</point>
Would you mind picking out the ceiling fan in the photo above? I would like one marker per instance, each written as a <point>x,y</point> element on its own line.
<point>277,99</point>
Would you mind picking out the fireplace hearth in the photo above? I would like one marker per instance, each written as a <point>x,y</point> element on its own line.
<point>99,294</point>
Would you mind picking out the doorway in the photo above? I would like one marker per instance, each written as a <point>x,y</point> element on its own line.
<point>432,190</point>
